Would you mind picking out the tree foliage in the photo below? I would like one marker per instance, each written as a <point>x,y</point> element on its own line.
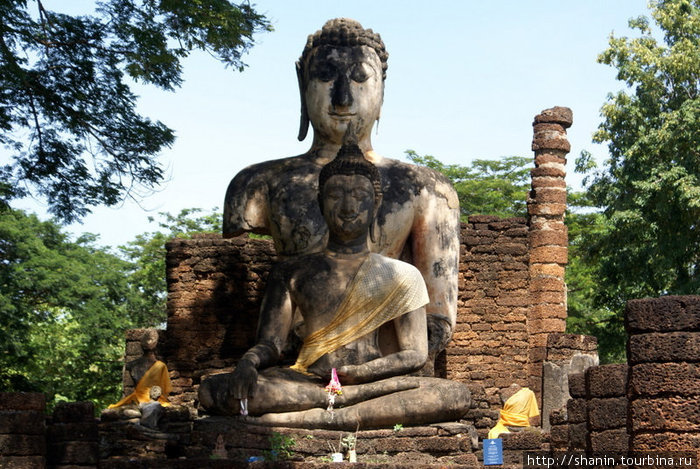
<point>645,238</point>
<point>64,307</point>
<point>486,187</point>
<point>67,114</point>
<point>649,189</point>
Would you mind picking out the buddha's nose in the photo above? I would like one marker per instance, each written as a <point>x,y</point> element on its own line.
<point>342,96</point>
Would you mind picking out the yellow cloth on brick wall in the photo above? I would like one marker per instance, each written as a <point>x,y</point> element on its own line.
<point>157,375</point>
<point>516,412</point>
<point>383,289</point>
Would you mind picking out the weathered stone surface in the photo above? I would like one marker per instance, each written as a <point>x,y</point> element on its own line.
<point>24,422</point>
<point>666,413</point>
<point>609,441</point>
<point>664,347</point>
<point>576,410</point>
<point>66,412</point>
<point>665,314</point>
<point>22,445</point>
<point>578,434</point>
<point>667,441</point>
<point>607,380</point>
<point>652,379</point>
<point>73,452</point>
<point>526,439</point>
<point>557,115</point>
<point>577,384</point>
<point>22,462</point>
<point>608,413</point>
<point>22,401</point>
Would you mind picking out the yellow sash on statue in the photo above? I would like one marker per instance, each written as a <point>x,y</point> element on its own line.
<point>157,375</point>
<point>383,289</point>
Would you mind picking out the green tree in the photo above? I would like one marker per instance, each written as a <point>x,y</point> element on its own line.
<point>67,114</point>
<point>644,238</point>
<point>486,187</point>
<point>64,307</point>
<point>649,189</point>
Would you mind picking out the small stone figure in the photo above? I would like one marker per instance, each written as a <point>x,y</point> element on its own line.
<point>344,294</point>
<point>341,75</point>
<point>152,384</point>
<point>519,411</point>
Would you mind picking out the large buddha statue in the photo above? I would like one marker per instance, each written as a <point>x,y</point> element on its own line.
<point>341,76</point>
<point>345,294</point>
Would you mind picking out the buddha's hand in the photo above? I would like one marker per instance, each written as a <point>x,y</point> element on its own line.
<point>354,374</point>
<point>244,380</point>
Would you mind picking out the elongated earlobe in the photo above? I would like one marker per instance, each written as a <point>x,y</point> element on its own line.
<point>304,118</point>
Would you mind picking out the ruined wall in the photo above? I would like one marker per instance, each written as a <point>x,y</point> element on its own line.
<point>650,403</point>
<point>490,342</point>
<point>663,352</point>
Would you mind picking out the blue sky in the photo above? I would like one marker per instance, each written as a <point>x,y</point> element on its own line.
<point>465,80</point>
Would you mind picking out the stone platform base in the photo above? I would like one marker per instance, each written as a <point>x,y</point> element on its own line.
<point>186,443</point>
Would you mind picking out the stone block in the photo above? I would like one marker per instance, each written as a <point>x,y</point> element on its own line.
<point>545,171</point>
<point>559,435</point>
<point>576,410</point>
<point>607,380</point>
<point>22,462</point>
<point>610,441</point>
<point>549,255</point>
<point>577,384</point>
<point>578,434</point>
<point>22,445</point>
<point>73,452</point>
<point>24,422</point>
<point>652,379</point>
<point>66,412</point>
<point>556,115</point>
<point>665,314</point>
<point>548,238</point>
<point>607,413</point>
<point>674,413</point>
<point>22,401</point>
<point>666,441</point>
<point>664,347</point>
<point>83,431</point>
<point>527,439</point>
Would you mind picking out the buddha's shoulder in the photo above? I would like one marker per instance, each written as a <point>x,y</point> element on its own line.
<point>266,169</point>
<point>419,179</point>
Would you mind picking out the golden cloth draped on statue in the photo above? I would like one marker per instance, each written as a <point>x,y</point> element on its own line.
<point>382,290</point>
<point>517,411</point>
<point>157,375</point>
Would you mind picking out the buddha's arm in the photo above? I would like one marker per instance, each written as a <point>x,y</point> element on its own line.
<point>273,327</point>
<point>435,250</point>
<point>411,332</point>
<point>246,204</point>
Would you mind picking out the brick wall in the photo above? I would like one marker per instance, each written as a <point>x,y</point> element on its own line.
<point>22,430</point>
<point>490,342</point>
<point>663,352</point>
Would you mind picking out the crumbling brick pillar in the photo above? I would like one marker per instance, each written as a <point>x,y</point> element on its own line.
<point>546,205</point>
<point>663,352</point>
<point>22,430</point>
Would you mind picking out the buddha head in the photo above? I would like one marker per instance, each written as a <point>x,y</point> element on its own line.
<point>341,75</point>
<point>350,193</point>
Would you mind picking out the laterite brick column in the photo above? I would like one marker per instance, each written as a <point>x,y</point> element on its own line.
<point>663,352</point>
<point>606,405</point>
<point>22,430</point>
<point>548,236</point>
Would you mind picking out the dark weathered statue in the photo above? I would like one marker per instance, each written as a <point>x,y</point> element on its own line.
<point>341,81</point>
<point>344,294</point>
